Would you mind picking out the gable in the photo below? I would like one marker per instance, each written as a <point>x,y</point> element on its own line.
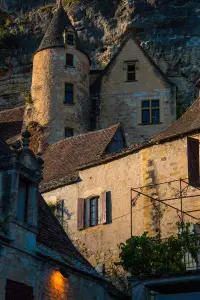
<point>148,74</point>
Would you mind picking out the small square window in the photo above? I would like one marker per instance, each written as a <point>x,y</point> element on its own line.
<point>69,132</point>
<point>70,39</point>
<point>69,60</point>
<point>69,93</point>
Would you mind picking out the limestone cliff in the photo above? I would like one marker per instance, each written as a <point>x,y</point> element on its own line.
<point>171,35</point>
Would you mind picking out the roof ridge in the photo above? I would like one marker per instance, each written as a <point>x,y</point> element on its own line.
<point>86,134</point>
<point>176,121</point>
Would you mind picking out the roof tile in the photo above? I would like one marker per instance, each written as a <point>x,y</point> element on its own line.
<point>66,156</point>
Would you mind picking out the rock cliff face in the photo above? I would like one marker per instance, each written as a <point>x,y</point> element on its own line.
<point>171,35</point>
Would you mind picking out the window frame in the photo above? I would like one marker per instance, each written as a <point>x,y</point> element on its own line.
<point>72,56</point>
<point>72,93</point>
<point>97,211</point>
<point>73,40</point>
<point>130,63</point>
<point>150,110</point>
<point>88,222</point>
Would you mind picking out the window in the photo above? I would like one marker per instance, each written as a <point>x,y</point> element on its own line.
<point>131,71</point>
<point>69,132</point>
<point>150,112</point>
<point>69,60</point>
<point>69,94</point>
<point>17,290</point>
<point>22,202</point>
<point>93,211</point>
<point>70,39</point>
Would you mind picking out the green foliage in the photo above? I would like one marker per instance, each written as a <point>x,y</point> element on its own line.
<point>145,255</point>
<point>52,206</point>
<point>70,2</point>
<point>45,7</point>
<point>3,35</point>
<point>27,97</point>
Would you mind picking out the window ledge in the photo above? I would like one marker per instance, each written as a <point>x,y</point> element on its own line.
<point>68,66</point>
<point>149,124</point>
<point>131,80</point>
<point>71,104</point>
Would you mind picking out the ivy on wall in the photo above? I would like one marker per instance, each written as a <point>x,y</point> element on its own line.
<point>144,255</point>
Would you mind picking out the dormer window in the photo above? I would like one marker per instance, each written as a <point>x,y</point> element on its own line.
<point>22,201</point>
<point>70,39</point>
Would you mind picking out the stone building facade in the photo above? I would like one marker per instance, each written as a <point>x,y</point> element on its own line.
<point>60,82</point>
<point>145,169</point>
<point>37,259</point>
<point>145,103</point>
<point>70,100</point>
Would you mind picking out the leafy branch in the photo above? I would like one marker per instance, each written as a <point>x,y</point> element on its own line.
<point>145,255</point>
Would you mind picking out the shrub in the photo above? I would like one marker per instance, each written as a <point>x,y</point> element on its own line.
<point>144,255</point>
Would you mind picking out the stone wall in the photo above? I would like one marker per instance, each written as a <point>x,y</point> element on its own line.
<point>48,90</point>
<point>46,280</point>
<point>156,164</point>
<point>120,101</point>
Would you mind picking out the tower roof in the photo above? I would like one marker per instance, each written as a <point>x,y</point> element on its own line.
<point>54,33</point>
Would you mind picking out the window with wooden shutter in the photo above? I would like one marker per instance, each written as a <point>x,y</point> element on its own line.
<point>193,161</point>
<point>80,213</point>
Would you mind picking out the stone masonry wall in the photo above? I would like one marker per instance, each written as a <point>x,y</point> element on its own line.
<point>120,101</point>
<point>46,281</point>
<point>48,89</point>
<point>157,164</point>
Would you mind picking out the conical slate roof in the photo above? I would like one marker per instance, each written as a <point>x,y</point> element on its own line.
<point>54,33</point>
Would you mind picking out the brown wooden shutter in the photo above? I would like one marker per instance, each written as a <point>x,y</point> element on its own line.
<point>103,208</point>
<point>80,213</point>
<point>193,161</point>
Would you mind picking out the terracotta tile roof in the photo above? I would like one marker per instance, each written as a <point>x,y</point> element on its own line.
<point>63,158</point>
<point>11,122</point>
<point>187,123</point>
<point>52,235</point>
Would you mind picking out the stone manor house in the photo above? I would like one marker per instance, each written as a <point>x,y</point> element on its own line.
<point>70,99</point>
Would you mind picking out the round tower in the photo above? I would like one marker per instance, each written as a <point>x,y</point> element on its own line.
<point>60,81</point>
